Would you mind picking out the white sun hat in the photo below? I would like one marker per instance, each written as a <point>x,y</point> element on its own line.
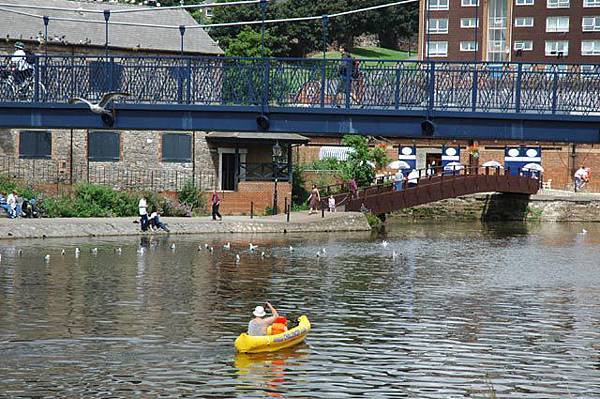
<point>259,311</point>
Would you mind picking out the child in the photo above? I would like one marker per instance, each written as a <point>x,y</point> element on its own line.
<point>331,204</point>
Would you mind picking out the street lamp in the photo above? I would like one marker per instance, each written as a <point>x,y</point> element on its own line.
<point>277,151</point>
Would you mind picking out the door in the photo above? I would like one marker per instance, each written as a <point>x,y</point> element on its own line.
<point>228,172</point>
<point>434,162</point>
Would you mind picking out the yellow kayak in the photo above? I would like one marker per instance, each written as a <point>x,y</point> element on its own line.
<point>271,343</point>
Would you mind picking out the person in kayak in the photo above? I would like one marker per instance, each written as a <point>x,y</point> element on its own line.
<point>258,326</point>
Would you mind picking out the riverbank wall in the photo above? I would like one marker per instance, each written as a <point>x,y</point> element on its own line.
<point>299,222</point>
<point>547,206</point>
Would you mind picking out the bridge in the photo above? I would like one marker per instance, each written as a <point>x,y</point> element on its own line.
<point>432,187</point>
<point>516,101</point>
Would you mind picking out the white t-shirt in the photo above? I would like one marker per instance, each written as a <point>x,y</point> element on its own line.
<point>332,202</point>
<point>11,200</point>
<point>152,215</point>
<point>20,60</point>
<point>580,174</point>
<point>142,206</point>
<point>413,177</point>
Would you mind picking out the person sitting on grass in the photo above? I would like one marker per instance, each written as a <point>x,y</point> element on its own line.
<point>259,325</point>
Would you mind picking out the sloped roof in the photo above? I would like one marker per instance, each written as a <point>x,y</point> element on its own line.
<point>28,28</point>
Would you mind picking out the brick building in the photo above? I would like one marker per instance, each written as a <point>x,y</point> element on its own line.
<point>554,31</point>
<point>559,160</point>
<point>240,165</point>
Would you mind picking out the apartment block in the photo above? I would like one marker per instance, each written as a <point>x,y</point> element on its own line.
<point>531,31</point>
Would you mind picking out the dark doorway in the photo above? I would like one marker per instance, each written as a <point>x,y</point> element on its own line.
<point>228,172</point>
<point>434,160</point>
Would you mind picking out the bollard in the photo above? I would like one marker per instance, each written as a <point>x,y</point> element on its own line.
<point>322,211</point>
<point>251,210</point>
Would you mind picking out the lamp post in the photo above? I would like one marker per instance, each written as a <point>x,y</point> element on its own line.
<point>276,155</point>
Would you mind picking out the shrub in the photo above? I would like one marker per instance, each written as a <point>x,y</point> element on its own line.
<point>8,184</point>
<point>192,198</point>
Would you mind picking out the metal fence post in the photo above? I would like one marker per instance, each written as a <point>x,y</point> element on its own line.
<point>475,88</point>
<point>554,91</point>
<point>37,80</point>
<point>251,210</point>
<point>188,87</point>
<point>348,88</point>
<point>431,89</point>
<point>397,88</point>
<point>518,84</point>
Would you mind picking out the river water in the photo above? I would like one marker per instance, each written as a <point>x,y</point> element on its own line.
<point>465,310</point>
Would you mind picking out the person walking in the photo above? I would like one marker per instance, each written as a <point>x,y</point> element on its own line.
<point>314,200</point>
<point>143,212</point>
<point>216,202</point>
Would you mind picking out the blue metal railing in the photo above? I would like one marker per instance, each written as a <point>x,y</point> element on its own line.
<point>315,83</point>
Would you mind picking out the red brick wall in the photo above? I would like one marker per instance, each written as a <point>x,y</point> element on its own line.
<point>261,193</point>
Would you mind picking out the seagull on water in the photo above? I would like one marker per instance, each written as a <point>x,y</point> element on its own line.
<point>394,254</point>
<point>47,258</point>
<point>118,250</point>
<point>291,249</point>
<point>253,247</point>
<point>94,251</point>
<point>210,249</point>
<point>237,258</point>
<point>62,252</point>
<point>205,246</point>
<point>20,252</point>
<point>77,251</point>
<point>99,108</point>
<point>140,250</point>
<point>583,231</point>
<point>173,247</point>
<point>227,246</point>
<point>262,254</point>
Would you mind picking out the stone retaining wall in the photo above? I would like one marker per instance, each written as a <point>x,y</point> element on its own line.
<point>510,207</point>
<point>99,227</point>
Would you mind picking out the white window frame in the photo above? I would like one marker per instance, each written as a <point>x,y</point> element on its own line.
<point>553,24</point>
<point>558,4</point>
<point>524,22</point>
<point>469,26</point>
<point>591,3</point>
<point>523,45</point>
<point>595,47</point>
<point>434,26</point>
<point>553,53</point>
<point>439,5</point>
<point>594,25</point>
<point>469,3</point>
<point>436,54</point>
<point>466,46</point>
<point>524,2</point>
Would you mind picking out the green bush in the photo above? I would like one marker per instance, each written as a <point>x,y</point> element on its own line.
<point>8,184</point>
<point>192,197</point>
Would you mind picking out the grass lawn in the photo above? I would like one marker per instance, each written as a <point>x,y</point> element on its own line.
<point>377,53</point>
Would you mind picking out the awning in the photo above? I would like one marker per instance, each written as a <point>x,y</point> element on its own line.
<point>232,137</point>
<point>339,153</point>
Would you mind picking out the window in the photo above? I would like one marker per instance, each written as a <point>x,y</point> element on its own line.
<point>438,49</point>
<point>590,47</point>
<point>524,22</point>
<point>469,22</point>
<point>590,24</point>
<point>440,4</point>
<point>557,48</point>
<point>523,2</point>
<point>35,145</point>
<point>591,3</point>
<point>176,147</point>
<point>558,3</point>
<point>438,26</point>
<point>468,46</point>
<point>469,3</point>
<point>104,146</point>
<point>557,24</point>
<point>525,45</point>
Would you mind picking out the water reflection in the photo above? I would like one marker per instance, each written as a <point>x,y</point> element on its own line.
<point>462,307</point>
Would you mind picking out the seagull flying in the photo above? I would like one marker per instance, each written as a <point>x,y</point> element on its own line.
<point>100,107</point>
<point>253,247</point>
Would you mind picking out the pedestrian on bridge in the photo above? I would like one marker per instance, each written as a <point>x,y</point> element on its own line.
<point>413,178</point>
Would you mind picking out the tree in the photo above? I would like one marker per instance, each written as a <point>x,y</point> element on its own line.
<point>362,160</point>
<point>247,44</point>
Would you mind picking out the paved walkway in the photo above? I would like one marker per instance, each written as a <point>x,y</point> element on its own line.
<point>86,227</point>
